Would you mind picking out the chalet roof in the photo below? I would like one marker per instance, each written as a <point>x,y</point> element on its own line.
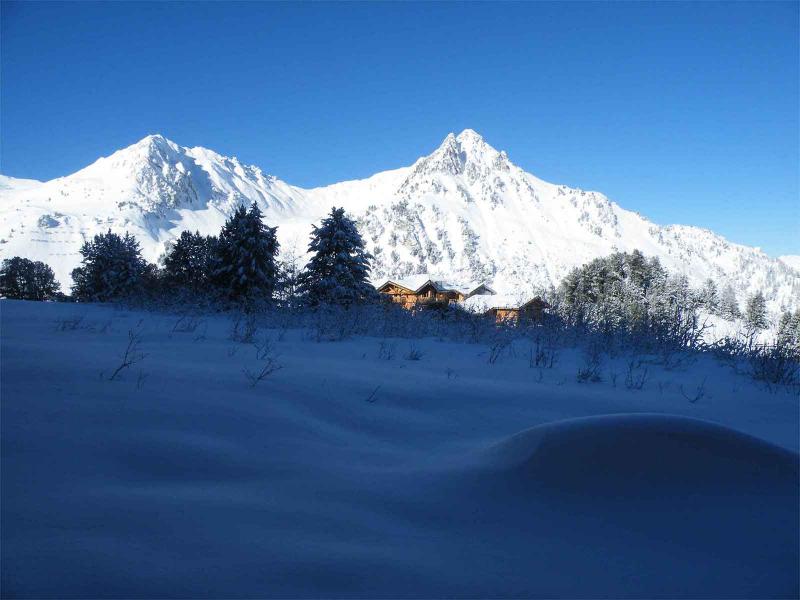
<point>413,282</point>
<point>482,303</point>
<point>417,282</point>
<point>473,287</point>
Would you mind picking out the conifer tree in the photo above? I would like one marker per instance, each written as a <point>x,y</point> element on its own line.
<point>755,314</point>
<point>709,296</point>
<point>789,331</point>
<point>24,279</point>
<point>188,261</point>
<point>338,272</point>
<point>244,261</point>
<point>289,271</point>
<point>729,305</point>
<point>112,267</point>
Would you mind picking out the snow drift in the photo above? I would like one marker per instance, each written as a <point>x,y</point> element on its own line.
<point>656,454</point>
<point>347,474</point>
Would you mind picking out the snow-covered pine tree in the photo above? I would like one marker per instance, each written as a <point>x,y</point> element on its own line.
<point>729,305</point>
<point>709,296</point>
<point>24,279</point>
<point>112,267</point>
<point>188,261</point>
<point>289,269</point>
<point>755,314</point>
<point>339,268</point>
<point>789,331</point>
<point>244,262</point>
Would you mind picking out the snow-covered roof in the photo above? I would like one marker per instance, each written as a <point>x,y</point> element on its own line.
<point>416,282</point>
<point>412,282</point>
<point>482,303</point>
<point>473,287</point>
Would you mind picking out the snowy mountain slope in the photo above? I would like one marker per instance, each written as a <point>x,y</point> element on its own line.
<point>792,260</point>
<point>464,213</point>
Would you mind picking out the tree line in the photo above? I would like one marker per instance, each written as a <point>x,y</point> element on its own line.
<point>620,294</point>
<point>240,265</point>
<point>627,292</point>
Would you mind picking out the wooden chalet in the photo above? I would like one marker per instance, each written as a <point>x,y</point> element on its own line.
<point>422,291</point>
<point>508,309</point>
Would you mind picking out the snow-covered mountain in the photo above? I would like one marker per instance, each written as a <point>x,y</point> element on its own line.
<point>464,212</point>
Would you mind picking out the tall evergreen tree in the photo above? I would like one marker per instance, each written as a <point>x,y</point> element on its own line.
<point>755,314</point>
<point>24,279</point>
<point>789,331</point>
<point>112,267</point>
<point>338,272</point>
<point>728,304</point>
<point>709,296</point>
<point>189,260</point>
<point>244,262</point>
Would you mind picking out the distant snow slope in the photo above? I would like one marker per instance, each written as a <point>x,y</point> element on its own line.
<point>792,260</point>
<point>349,475</point>
<point>464,213</point>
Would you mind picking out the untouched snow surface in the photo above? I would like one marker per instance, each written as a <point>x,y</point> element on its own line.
<point>463,213</point>
<point>347,475</point>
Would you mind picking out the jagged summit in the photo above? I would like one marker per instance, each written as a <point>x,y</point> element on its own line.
<point>460,153</point>
<point>464,212</point>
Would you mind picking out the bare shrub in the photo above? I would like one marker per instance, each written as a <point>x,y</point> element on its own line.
<point>140,379</point>
<point>373,395</point>
<point>386,350</point>
<point>70,323</point>
<point>267,369</point>
<point>500,342</point>
<point>414,353</point>
<point>635,374</point>
<point>335,323</point>
<point>613,375</point>
<point>187,324</point>
<point>132,354</point>
<point>672,357</point>
<point>541,355</point>
<point>264,348</point>
<point>589,372</point>
<point>244,328</point>
<point>265,353</point>
<point>201,335</point>
<point>102,326</point>
<point>775,365</point>
<point>697,394</point>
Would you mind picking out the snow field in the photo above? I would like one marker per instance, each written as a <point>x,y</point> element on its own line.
<point>354,471</point>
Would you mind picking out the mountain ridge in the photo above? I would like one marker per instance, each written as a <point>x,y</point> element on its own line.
<point>464,212</point>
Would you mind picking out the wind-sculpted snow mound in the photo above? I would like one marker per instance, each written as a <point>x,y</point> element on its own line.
<point>648,505</point>
<point>650,454</point>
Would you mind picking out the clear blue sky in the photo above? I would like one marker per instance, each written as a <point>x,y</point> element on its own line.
<point>687,113</point>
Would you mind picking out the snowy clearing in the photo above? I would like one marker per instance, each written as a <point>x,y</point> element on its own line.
<point>377,468</point>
